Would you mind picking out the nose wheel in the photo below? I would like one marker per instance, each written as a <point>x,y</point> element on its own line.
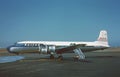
<point>17,53</point>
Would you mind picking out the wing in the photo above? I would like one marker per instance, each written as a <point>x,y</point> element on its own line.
<point>69,48</point>
<point>75,48</point>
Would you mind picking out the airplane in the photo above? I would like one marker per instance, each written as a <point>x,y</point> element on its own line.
<point>59,47</point>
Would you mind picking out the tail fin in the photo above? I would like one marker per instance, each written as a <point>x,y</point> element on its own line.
<point>103,36</point>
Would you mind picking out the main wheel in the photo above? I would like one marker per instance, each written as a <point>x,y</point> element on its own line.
<point>60,57</point>
<point>52,57</point>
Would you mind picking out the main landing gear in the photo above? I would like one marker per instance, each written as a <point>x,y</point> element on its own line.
<point>60,57</point>
<point>52,56</point>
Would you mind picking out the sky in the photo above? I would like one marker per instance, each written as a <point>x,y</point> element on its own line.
<point>58,20</point>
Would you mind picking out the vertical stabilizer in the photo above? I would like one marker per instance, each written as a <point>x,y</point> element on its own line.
<point>103,36</point>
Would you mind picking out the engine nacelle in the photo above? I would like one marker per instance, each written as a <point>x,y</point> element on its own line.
<point>47,49</point>
<point>43,49</point>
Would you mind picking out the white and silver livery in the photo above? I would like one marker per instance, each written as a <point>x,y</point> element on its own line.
<point>60,47</point>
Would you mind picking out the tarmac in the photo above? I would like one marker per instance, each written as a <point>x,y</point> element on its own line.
<point>103,63</point>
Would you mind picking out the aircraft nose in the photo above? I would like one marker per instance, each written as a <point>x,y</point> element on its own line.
<point>9,49</point>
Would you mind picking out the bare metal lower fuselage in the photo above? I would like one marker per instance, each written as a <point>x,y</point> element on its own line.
<point>21,50</point>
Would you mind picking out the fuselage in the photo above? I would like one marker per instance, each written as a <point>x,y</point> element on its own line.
<point>38,46</point>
